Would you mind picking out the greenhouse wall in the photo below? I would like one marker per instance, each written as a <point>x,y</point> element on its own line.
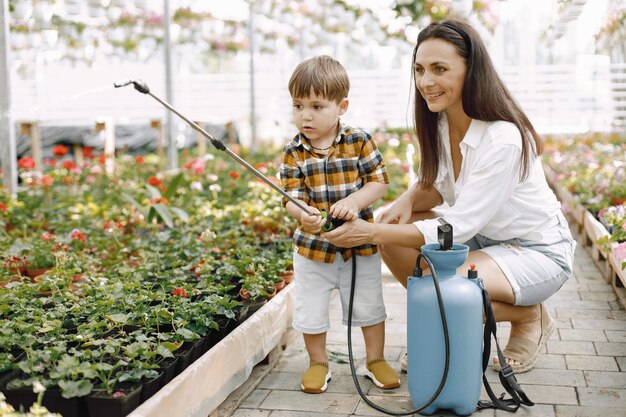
<point>558,98</point>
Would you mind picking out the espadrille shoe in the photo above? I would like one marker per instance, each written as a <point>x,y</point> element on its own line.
<point>381,374</point>
<point>315,379</point>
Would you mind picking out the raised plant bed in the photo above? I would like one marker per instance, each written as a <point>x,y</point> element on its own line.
<point>594,230</point>
<point>618,278</point>
<point>203,386</point>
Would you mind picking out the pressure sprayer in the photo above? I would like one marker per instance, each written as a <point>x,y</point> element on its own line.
<point>450,353</point>
<point>444,330</point>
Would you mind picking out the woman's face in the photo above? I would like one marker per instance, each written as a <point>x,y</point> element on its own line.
<point>439,75</point>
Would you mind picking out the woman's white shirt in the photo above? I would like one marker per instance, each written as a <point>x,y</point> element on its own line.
<point>488,197</point>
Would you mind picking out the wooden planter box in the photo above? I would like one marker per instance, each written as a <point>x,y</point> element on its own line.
<point>618,278</point>
<point>593,231</point>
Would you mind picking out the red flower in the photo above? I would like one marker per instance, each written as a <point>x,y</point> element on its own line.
<point>102,159</point>
<point>46,180</point>
<point>27,162</point>
<point>47,236</point>
<point>180,291</point>
<point>139,159</point>
<point>69,164</point>
<point>234,174</point>
<point>59,151</point>
<point>50,162</point>
<point>87,152</point>
<point>78,235</point>
<point>3,207</point>
<point>155,181</point>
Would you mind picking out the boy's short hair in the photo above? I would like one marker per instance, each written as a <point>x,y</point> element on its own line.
<point>324,75</point>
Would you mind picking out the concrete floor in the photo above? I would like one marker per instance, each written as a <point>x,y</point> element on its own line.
<point>581,373</point>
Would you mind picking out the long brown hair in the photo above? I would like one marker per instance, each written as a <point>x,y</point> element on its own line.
<point>484,98</point>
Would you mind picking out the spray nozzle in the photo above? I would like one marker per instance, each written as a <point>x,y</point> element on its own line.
<point>330,223</point>
<point>444,235</point>
<point>138,84</point>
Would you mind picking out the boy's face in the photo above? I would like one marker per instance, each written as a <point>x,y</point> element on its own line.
<point>317,118</point>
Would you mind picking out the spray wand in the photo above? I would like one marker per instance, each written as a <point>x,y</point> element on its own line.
<point>142,87</point>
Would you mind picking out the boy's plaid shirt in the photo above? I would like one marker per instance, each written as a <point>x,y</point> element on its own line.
<point>322,180</point>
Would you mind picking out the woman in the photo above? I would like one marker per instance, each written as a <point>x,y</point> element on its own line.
<point>479,155</point>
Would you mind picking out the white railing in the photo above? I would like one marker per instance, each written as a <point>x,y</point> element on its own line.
<point>557,98</point>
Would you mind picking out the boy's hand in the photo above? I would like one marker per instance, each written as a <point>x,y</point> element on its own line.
<point>344,210</point>
<point>311,223</point>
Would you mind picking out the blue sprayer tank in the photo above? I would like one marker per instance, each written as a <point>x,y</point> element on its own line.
<point>462,299</point>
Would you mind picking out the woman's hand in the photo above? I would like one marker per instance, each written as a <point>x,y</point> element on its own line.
<point>350,234</point>
<point>399,213</point>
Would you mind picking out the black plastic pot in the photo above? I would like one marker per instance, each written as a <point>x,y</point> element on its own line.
<point>150,387</point>
<point>20,398</point>
<point>168,367</point>
<point>67,407</point>
<point>100,404</point>
<point>184,354</point>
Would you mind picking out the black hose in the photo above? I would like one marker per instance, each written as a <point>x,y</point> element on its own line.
<point>446,338</point>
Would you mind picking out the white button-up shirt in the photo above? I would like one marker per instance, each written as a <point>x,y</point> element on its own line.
<point>488,197</point>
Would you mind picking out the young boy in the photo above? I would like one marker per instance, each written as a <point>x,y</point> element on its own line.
<point>333,167</point>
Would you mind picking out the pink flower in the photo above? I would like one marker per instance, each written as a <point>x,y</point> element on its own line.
<point>620,251</point>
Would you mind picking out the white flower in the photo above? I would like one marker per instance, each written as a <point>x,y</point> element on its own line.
<point>196,185</point>
<point>393,142</point>
<point>215,187</point>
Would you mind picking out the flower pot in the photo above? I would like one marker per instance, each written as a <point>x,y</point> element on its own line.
<point>279,285</point>
<point>616,201</point>
<point>287,277</point>
<point>184,357</point>
<point>22,9</point>
<point>14,278</point>
<point>254,305</point>
<point>100,404</point>
<point>67,407</point>
<point>21,397</point>
<point>150,387</point>
<point>168,366</point>
<point>34,272</point>
<point>42,13</point>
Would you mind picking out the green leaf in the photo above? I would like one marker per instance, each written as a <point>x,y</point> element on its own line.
<point>131,200</point>
<point>172,346</point>
<point>187,334</point>
<point>70,389</point>
<point>164,351</point>
<point>173,186</point>
<point>182,214</point>
<point>164,214</point>
<point>118,318</point>
<point>154,192</point>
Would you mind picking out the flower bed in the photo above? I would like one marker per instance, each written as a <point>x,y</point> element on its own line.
<point>589,177</point>
<point>112,283</point>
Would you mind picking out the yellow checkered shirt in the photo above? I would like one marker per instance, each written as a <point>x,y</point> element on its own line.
<point>321,180</point>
